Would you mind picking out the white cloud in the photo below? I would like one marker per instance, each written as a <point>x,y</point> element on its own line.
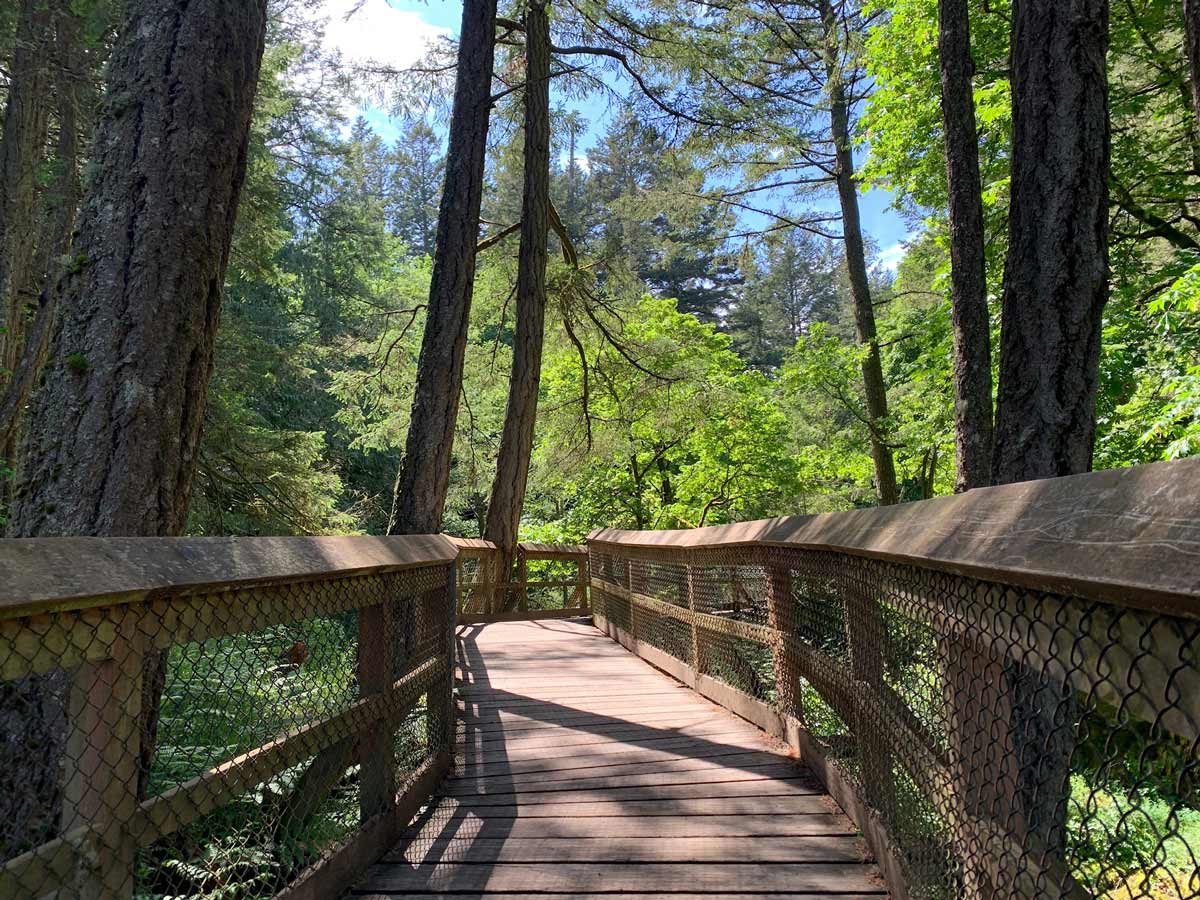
<point>377,32</point>
<point>581,160</point>
<point>889,258</point>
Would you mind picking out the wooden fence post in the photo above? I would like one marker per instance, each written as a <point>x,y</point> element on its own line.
<point>867,635</point>
<point>376,673</point>
<point>581,584</point>
<point>699,650</point>
<point>780,616</point>
<point>101,763</point>
<point>522,580</point>
<point>439,700</point>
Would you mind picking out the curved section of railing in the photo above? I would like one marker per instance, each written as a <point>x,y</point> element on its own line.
<point>1001,687</point>
<point>550,581</point>
<point>242,717</point>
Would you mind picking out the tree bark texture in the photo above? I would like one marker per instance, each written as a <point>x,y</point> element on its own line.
<point>424,474</point>
<point>516,441</point>
<point>856,263</point>
<point>1191,29</point>
<point>26,118</point>
<point>113,434</point>
<point>968,279</point>
<point>1056,273</point>
<point>23,359</point>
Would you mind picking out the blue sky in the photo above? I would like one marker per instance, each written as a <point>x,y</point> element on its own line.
<point>396,32</point>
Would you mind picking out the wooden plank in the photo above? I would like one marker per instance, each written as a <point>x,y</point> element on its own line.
<point>44,574</point>
<point>761,787</point>
<point>1126,536</point>
<point>535,550</point>
<point>709,775</point>
<point>600,752</point>
<point>814,848</point>
<point>736,761</point>
<point>642,736</point>
<point>800,805</point>
<point>627,895</point>
<point>617,877</point>
<point>609,761</point>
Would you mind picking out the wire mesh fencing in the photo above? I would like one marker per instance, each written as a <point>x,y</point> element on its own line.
<point>1011,742</point>
<point>225,742</point>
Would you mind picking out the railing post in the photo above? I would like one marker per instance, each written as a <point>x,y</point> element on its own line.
<point>582,565</point>
<point>439,726</point>
<point>780,615</point>
<point>867,638</point>
<point>699,656</point>
<point>376,673</point>
<point>983,761</point>
<point>522,580</point>
<point>101,763</point>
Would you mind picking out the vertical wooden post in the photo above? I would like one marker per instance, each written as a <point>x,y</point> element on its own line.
<point>376,673</point>
<point>983,762</point>
<point>581,583</point>
<point>780,619</point>
<point>439,700</point>
<point>101,762</point>
<point>699,660</point>
<point>867,638</point>
<point>522,580</point>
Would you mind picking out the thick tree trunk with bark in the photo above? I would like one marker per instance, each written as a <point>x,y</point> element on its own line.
<point>968,280</point>
<point>856,263</point>
<point>1055,288</point>
<point>1056,273</point>
<point>113,433</point>
<point>26,117</point>
<point>1191,29</point>
<point>424,474</point>
<point>516,442</point>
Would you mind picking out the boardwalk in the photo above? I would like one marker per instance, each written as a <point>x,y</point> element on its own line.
<point>584,771</point>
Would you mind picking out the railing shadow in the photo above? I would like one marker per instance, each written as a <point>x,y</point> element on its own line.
<point>470,819</point>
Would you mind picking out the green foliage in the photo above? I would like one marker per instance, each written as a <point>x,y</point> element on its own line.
<point>676,430</point>
<point>1118,836</point>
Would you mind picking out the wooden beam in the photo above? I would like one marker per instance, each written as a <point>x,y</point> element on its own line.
<point>1125,536</point>
<point>39,575</point>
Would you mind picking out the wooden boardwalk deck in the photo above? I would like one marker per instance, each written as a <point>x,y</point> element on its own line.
<point>584,771</point>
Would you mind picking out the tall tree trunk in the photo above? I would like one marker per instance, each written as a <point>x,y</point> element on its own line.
<point>516,441</point>
<point>968,280</point>
<point>61,203</point>
<point>424,474</point>
<point>1056,273</point>
<point>856,263</point>
<point>1055,288</point>
<point>113,434</point>
<point>26,115</point>
<point>1191,29</point>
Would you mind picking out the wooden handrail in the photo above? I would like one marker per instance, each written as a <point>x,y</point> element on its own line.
<point>54,574</point>
<point>1126,536</point>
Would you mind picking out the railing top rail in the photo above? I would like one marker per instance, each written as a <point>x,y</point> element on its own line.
<point>470,543</point>
<point>534,550</point>
<point>1127,536</point>
<point>51,574</point>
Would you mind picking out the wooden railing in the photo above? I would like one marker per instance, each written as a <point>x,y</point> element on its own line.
<point>257,716</point>
<point>1002,688</point>
<point>550,582</point>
